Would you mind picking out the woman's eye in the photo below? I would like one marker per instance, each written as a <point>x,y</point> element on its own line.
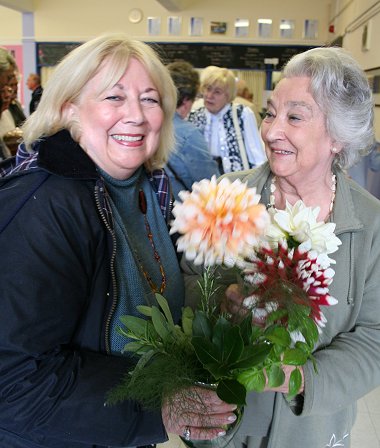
<point>114,98</point>
<point>149,101</point>
<point>268,114</point>
<point>294,118</point>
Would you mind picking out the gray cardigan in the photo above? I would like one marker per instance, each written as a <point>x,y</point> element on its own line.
<point>348,352</point>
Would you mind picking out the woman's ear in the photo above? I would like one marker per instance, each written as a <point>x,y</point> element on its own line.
<point>71,120</point>
<point>336,147</point>
<point>69,111</point>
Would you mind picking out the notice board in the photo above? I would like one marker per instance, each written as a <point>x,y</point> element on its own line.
<point>200,55</point>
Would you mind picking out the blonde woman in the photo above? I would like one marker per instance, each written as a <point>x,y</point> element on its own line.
<point>84,240</point>
<point>230,130</point>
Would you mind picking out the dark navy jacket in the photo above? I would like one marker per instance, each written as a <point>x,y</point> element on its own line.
<point>57,295</point>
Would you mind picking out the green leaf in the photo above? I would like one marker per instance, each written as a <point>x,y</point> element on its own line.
<point>144,310</point>
<point>231,391</point>
<point>253,380</point>
<point>310,332</point>
<point>298,314</point>
<point>201,325</point>
<point>220,329</point>
<point>314,361</point>
<point>145,358</point>
<point>233,346</point>
<point>165,308</point>
<point>206,351</point>
<point>135,325</point>
<point>295,383</point>
<point>252,356</point>
<point>124,333</point>
<point>276,315</point>
<point>246,329</point>
<point>294,357</point>
<point>137,347</point>
<point>160,323</point>
<point>151,334</point>
<point>187,320</point>
<point>303,346</point>
<point>227,340</point>
<point>217,370</point>
<point>278,335</point>
<point>276,376</point>
<point>256,332</point>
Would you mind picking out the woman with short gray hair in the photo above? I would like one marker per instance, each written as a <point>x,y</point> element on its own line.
<point>318,122</point>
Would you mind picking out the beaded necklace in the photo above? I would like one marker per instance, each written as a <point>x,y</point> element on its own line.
<point>272,198</point>
<point>143,208</point>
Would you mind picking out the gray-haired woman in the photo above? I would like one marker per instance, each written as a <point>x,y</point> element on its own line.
<point>319,121</point>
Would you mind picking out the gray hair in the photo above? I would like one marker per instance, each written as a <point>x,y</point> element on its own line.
<point>79,67</point>
<point>341,90</point>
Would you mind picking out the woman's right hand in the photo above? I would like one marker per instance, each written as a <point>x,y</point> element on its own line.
<point>199,411</point>
<point>233,302</point>
<point>236,304</point>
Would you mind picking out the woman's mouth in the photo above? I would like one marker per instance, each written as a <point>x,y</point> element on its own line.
<point>127,138</point>
<point>282,152</point>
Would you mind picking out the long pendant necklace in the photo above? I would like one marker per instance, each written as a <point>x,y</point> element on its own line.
<point>143,208</point>
<point>272,198</point>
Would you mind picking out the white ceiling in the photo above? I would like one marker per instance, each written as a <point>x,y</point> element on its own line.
<point>28,5</point>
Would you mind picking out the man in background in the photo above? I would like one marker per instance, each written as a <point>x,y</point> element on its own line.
<point>34,84</point>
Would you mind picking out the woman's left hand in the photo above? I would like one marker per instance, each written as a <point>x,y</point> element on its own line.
<point>197,413</point>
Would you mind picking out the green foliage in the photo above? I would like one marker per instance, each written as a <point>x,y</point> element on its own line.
<point>210,347</point>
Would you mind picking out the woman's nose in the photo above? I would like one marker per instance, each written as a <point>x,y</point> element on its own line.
<point>133,112</point>
<point>273,130</point>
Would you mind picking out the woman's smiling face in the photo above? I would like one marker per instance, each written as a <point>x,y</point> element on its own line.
<point>120,127</point>
<point>296,140</point>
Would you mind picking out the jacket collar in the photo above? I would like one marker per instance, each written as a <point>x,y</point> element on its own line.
<point>60,154</point>
<point>345,215</point>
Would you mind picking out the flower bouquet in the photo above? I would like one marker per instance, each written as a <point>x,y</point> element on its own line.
<point>282,260</point>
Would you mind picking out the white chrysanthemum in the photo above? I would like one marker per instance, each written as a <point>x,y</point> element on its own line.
<point>300,223</point>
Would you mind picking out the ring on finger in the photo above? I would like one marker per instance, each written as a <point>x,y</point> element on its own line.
<point>187,433</point>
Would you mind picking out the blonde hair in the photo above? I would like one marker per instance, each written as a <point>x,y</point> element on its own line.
<point>220,77</point>
<point>79,67</point>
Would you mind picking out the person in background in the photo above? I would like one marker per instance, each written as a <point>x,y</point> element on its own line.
<point>205,72</point>
<point>245,97</point>
<point>318,121</point>
<point>4,150</point>
<point>15,107</point>
<point>7,67</point>
<point>34,84</point>
<point>230,130</point>
<point>9,133</point>
<point>191,161</point>
<point>6,120</point>
<point>90,186</point>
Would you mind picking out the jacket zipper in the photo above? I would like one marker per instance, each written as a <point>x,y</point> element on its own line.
<point>98,192</point>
